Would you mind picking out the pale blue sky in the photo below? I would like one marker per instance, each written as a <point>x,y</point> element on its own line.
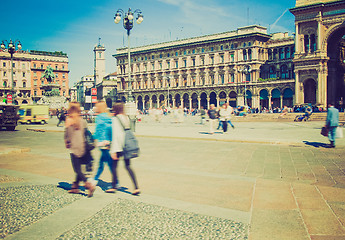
<point>74,26</point>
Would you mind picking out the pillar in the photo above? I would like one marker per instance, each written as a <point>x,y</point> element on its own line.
<point>269,101</point>
<point>297,50</point>
<point>208,102</point>
<point>150,103</point>
<point>218,99</point>
<point>190,103</point>
<point>174,103</point>
<point>199,102</point>
<point>281,101</point>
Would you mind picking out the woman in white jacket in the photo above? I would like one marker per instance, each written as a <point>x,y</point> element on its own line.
<point>119,123</point>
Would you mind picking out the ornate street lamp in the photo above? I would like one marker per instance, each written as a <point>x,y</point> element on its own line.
<point>246,70</point>
<point>11,48</point>
<point>128,25</point>
<point>128,17</point>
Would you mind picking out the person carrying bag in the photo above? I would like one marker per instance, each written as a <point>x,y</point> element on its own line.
<point>124,144</point>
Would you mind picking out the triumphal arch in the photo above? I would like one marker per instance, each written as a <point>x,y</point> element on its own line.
<point>320,52</point>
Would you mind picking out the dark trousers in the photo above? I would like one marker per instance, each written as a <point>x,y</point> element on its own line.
<point>225,126</point>
<point>76,163</point>
<point>129,170</point>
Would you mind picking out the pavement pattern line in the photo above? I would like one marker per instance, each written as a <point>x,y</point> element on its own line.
<point>299,211</point>
<point>329,207</point>
<point>251,208</point>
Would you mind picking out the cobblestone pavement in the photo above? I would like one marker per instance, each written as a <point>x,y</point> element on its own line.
<point>280,182</point>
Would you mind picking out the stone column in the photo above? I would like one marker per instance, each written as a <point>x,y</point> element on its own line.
<point>208,103</point>
<point>190,103</point>
<point>269,101</point>
<point>199,101</point>
<point>173,99</point>
<point>281,101</point>
<point>297,89</point>
<point>218,100</point>
<point>150,103</point>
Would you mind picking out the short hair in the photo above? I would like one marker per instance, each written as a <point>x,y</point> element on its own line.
<point>118,108</point>
<point>74,107</point>
<point>102,107</point>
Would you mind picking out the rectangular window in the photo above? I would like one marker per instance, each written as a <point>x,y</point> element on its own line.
<point>176,54</point>
<point>193,51</point>
<point>222,78</point>
<point>5,73</point>
<point>56,67</point>
<point>35,74</point>
<point>212,60</point>
<point>232,57</point>
<point>176,64</point>
<point>161,66</point>
<point>168,65</point>
<point>193,60</point>
<point>4,64</point>
<point>222,58</point>
<point>232,78</point>
<point>63,76</point>
<point>41,66</point>
<point>211,49</point>
<point>23,74</point>
<point>35,83</point>
<point>14,65</point>
<point>185,52</point>
<point>185,63</point>
<point>23,66</point>
<point>34,65</point>
<point>153,66</point>
<point>202,50</point>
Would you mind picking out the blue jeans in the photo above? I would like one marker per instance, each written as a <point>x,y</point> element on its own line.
<point>105,158</point>
<point>230,123</point>
<point>331,134</point>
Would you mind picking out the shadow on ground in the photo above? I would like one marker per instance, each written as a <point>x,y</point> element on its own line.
<point>67,186</point>
<point>106,185</point>
<point>316,144</point>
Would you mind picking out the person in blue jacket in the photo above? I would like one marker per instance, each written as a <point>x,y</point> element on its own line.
<point>332,123</point>
<point>103,135</point>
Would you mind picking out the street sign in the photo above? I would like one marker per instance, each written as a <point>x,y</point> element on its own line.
<point>9,99</point>
<point>87,99</point>
<point>93,91</point>
<point>94,99</point>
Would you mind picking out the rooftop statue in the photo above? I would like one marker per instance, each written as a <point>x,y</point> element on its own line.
<point>49,75</point>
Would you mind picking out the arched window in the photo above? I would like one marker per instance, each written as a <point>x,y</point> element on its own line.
<point>275,54</point>
<point>244,55</point>
<point>281,53</point>
<point>287,52</point>
<point>24,84</point>
<point>306,43</point>
<point>312,43</point>
<point>272,72</point>
<point>270,56</point>
<point>284,72</point>
<point>250,54</point>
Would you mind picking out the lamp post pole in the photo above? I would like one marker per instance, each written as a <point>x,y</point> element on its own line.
<point>11,48</point>
<point>128,25</point>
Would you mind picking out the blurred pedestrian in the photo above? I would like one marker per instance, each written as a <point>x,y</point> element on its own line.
<point>119,123</point>
<point>332,123</point>
<point>103,135</point>
<point>75,142</point>
<point>212,113</point>
<point>224,115</point>
<point>202,115</point>
<point>61,117</point>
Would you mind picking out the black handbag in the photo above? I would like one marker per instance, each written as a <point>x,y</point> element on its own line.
<point>324,131</point>
<point>89,141</point>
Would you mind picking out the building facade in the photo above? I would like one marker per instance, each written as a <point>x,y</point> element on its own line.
<point>21,76</point>
<point>28,67</point>
<point>320,55</point>
<point>209,70</point>
<point>58,61</point>
<point>85,84</point>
